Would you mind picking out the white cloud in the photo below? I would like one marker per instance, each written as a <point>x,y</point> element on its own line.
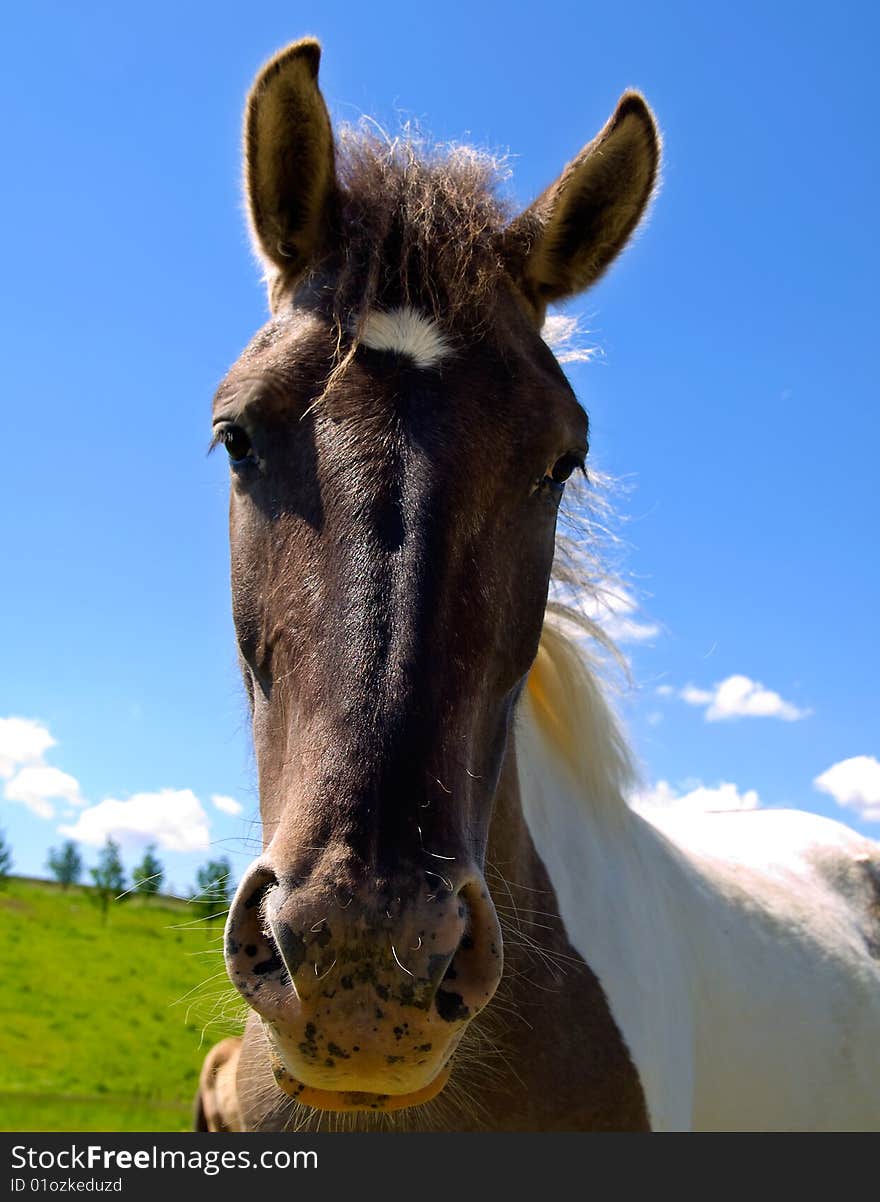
<point>36,785</point>
<point>173,818</point>
<point>740,697</point>
<point>227,804</point>
<point>855,783</point>
<point>694,696</point>
<point>562,334</point>
<point>699,799</point>
<point>22,741</point>
<point>614,609</point>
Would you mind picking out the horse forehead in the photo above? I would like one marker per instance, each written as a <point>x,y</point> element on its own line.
<point>304,335</point>
<point>289,361</point>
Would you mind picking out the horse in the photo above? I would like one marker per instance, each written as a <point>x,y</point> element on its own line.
<point>457,921</point>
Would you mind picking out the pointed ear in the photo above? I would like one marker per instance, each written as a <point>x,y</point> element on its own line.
<point>573,232</point>
<point>289,161</point>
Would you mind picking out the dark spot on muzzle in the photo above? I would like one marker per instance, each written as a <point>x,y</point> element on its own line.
<point>274,964</point>
<point>450,1006</point>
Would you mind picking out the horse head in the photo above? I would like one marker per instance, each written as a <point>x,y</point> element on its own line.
<point>399,437</point>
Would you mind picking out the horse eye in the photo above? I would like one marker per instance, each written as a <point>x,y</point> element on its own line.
<point>564,467</point>
<point>237,444</point>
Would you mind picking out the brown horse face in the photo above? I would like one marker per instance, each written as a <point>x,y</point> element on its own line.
<point>391,551</point>
<point>392,537</point>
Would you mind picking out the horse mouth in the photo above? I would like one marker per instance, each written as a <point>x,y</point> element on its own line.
<point>349,1100</point>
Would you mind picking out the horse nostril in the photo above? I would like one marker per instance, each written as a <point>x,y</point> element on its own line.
<point>291,945</point>
<point>473,973</point>
<point>256,885</point>
<point>252,954</point>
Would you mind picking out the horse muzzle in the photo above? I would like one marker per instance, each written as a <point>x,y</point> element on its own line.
<point>363,1005</point>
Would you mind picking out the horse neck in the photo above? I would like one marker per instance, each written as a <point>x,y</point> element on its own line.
<point>539,840</point>
<point>560,804</point>
<point>619,886</point>
<point>517,878</point>
<point>565,1064</point>
<point>560,809</point>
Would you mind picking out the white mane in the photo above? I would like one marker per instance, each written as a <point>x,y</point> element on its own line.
<point>567,702</point>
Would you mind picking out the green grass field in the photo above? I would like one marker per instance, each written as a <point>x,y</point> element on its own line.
<point>103,1026</point>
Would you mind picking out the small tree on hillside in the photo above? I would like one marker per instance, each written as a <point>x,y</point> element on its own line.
<point>213,888</point>
<point>65,863</point>
<point>149,874</point>
<point>5,858</point>
<point>109,876</point>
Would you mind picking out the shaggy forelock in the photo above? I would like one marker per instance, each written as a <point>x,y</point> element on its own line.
<point>419,224</point>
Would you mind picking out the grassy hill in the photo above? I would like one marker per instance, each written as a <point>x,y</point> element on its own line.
<point>103,1026</point>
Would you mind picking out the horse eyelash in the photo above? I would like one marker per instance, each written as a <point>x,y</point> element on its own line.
<point>216,440</point>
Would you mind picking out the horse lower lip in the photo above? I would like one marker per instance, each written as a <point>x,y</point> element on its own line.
<point>332,1099</point>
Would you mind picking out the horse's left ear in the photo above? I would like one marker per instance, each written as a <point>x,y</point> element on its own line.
<point>290,177</point>
<point>573,232</point>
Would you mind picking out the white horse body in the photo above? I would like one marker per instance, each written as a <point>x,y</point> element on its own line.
<point>738,951</point>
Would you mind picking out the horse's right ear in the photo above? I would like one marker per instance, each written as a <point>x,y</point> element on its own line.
<point>289,161</point>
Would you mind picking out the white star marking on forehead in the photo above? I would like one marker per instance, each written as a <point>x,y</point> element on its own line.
<point>407,332</point>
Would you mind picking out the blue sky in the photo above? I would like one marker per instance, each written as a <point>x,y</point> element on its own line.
<point>735,392</point>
